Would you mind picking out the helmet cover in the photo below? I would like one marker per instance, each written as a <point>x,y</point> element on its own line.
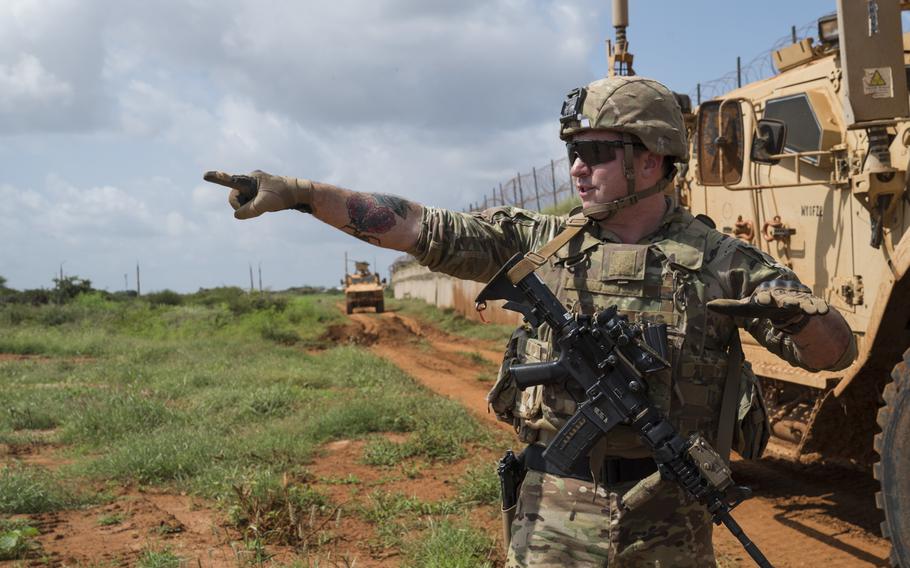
<point>639,106</point>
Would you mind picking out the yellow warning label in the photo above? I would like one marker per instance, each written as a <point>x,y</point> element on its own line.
<point>877,82</point>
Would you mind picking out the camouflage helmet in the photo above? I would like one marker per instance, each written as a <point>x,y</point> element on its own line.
<point>635,105</point>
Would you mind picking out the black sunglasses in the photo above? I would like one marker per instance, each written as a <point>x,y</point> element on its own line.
<point>593,152</point>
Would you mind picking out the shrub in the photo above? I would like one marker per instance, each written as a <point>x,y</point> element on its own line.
<point>164,298</point>
<point>123,295</point>
<point>68,287</point>
<point>34,297</point>
<point>276,509</point>
<point>57,315</point>
<point>16,540</point>
<point>282,335</point>
<point>14,314</point>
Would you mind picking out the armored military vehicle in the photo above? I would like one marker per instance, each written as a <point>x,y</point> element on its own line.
<point>363,288</point>
<point>811,166</point>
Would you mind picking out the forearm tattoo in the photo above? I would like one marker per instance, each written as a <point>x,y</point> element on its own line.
<point>374,214</point>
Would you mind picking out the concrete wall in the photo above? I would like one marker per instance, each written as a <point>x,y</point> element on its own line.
<point>411,280</point>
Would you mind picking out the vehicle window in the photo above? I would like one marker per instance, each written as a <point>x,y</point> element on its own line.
<point>804,133</point>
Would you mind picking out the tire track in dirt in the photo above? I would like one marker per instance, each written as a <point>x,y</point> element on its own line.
<point>446,364</point>
<point>800,516</point>
<point>117,533</point>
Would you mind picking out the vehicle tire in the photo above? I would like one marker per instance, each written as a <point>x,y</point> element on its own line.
<point>893,471</point>
<point>349,308</point>
<point>380,307</point>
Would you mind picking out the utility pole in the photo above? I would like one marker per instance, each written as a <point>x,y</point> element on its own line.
<point>138,287</point>
<point>251,278</point>
<point>260,278</point>
<point>126,282</point>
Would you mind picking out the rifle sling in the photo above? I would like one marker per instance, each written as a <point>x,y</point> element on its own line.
<point>730,404</point>
<point>535,259</point>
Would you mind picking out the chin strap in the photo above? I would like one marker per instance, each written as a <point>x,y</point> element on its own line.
<point>628,165</point>
<point>603,211</point>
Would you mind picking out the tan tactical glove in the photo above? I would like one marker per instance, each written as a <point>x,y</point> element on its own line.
<point>786,303</point>
<point>259,192</point>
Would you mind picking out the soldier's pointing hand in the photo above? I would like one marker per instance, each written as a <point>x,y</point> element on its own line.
<point>258,192</point>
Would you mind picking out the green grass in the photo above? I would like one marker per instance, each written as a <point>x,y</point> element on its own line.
<point>158,558</point>
<point>27,415</point>
<point>111,520</point>
<point>216,394</point>
<point>479,484</point>
<point>25,489</point>
<point>397,516</point>
<point>448,544</point>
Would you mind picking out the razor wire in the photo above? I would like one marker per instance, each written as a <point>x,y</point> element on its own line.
<point>547,185</point>
<point>544,186</point>
<point>759,67</point>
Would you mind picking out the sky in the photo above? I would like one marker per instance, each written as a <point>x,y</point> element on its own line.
<point>111,110</point>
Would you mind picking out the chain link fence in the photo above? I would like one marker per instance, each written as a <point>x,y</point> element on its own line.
<point>543,187</point>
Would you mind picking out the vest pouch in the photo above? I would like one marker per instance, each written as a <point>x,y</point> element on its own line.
<point>503,398</point>
<point>752,429</point>
<point>700,386</point>
<point>528,410</point>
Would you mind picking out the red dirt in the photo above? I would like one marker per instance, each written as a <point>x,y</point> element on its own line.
<point>149,521</point>
<point>800,515</point>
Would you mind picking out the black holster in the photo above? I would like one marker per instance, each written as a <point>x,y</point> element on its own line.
<point>511,472</point>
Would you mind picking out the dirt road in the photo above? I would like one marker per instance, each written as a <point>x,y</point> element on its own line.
<point>800,515</point>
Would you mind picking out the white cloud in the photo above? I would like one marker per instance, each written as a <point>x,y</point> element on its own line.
<point>436,101</point>
<point>28,83</point>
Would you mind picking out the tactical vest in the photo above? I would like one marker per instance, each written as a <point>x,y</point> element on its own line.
<point>659,282</point>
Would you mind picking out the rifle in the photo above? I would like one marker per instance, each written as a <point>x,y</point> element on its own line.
<point>607,358</point>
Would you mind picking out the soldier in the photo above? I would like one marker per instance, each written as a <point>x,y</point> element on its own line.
<point>628,245</point>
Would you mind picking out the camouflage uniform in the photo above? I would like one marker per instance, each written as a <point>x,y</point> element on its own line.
<point>667,277</point>
<point>559,522</point>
